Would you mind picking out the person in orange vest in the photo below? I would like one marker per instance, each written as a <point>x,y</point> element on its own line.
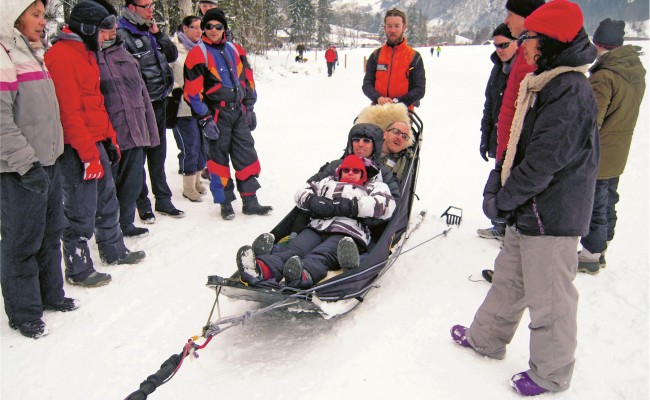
<point>395,72</point>
<point>331,58</point>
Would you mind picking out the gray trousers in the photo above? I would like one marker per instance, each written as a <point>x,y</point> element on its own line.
<point>535,272</point>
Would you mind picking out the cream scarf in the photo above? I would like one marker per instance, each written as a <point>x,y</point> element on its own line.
<point>526,97</point>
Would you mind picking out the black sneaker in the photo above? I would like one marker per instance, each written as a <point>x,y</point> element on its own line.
<point>347,253</point>
<point>147,217</point>
<point>133,231</point>
<point>64,305</point>
<point>227,212</point>
<point>31,329</point>
<point>95,279</point>
<point>263,244</point>
<point>131,257</point>
<point>170,211</point>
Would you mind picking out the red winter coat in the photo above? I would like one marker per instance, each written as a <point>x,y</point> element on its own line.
<point>520,69</point>
<point>330,55</point>
<point>84,118</point>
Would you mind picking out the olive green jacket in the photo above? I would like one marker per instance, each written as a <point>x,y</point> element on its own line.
<point>618,80</point>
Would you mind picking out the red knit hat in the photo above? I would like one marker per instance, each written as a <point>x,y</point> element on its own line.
<point>557,19</point>
<point>353,161</point>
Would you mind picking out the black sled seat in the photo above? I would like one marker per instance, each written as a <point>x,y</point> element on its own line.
<point>341,292</point>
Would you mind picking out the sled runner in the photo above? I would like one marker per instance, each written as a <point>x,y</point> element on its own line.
<point>338,293</point>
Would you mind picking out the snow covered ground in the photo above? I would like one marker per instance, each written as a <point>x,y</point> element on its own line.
<point>394,345</point>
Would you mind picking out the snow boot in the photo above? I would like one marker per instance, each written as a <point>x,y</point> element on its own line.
<point>347,254</point>
<point>64,305</point>
<point>247,265</point>
<point>31,329</point>
<point>227,212</point>
<point>487,274</point>
<point>147,217</point>
<point>263,244</point>
<point>525,386</point>
<point>295,275</point>
<point>458,335</point>
<point>131,257</point>
<point>189,189</point>
<point>133,231</point>
<point>588,262</point>
<point>253,207</point>
<point>170,211</point>
<point>198,185</point>
<point>490,233</point>
<point>95,279</point>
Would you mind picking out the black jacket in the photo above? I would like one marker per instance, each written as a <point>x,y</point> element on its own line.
<point>551,187</point>
<point>154,60</point>
<point>493,97</point>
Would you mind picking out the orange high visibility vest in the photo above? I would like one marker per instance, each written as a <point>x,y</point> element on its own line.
<point>393,70</point>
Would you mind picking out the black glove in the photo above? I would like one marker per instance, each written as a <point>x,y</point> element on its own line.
<point>320,207</point>
<point>346,207</point>
<point>209,128</point>
<point>483,149</point>
<point>35,179</point>
<point>492,187</point>
<point>251,120</point>
<point>113,151</point>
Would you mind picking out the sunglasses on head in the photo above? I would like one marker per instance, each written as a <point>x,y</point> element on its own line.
<point>209,27</point>
<point>503,45</point>
<point>397,132</point>
<point>525,36</point>
<point>364,140</point>
<point>353,170</point>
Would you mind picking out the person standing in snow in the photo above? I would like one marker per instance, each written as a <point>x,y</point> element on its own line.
<point>133,118</point>
<point>338,206</point>
<point>506,46</point>
<point>330,59</point>
<point>90,148</point>
<point>31,204</point>
<point>395,71</point>
<point>544,192</point>
<point>618,80</point>
<point>222,98</point>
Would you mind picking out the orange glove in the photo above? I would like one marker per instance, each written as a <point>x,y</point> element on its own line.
<point>93,170</point>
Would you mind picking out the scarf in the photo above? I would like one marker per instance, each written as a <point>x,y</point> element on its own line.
<point>136,19</point>
<point>187,43</point>
<point>526,97</point>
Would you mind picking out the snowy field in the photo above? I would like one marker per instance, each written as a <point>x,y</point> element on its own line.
<point>394,345</point>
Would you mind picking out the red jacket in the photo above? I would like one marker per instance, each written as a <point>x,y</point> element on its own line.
<point>330,55</point>
<point>520,69</point>
<point>84,118</point>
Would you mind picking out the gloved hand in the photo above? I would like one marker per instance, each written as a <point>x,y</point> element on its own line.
<point>492,187</point>
<point>484,148</point>
<point>113,151</point>
<point>493,184</point>
<point>93,170</point>
<point>35,179</point>
<point>209,128</point>
<point>251,120</point>
<point>346,207</point>
<point>320,207</point>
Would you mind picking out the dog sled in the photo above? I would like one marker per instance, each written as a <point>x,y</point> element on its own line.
<point>340,292</point>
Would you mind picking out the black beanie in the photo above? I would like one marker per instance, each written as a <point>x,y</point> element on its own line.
<point>86,18</point>
<point>523,8</point>
<point>503,30</point>
<point>610,33</point>
<point>214,14</point>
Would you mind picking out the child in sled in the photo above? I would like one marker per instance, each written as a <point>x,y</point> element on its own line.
<point>337,206</point>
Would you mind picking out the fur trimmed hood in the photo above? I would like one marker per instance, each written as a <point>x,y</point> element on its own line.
<point>384,115</point>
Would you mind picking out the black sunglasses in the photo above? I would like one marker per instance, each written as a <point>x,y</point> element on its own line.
<point>525,36</point>
<point>503,45</point>
<point>353,170</point>
<point>209,27</point>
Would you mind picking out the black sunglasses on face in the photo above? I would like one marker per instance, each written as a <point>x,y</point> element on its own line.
<point>209,27</point>
<point>503,45</point>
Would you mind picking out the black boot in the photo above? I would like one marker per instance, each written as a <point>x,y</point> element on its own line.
<point>253,207</point>
<point>227,211</point>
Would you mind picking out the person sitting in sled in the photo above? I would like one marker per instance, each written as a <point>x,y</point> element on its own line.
<point>338,205</point>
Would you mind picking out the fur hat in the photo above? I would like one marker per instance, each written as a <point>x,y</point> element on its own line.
<point>214,14</point>
<point>353,161</point>
<point>609,33</point>
<point>523,8</point>
<point>558,19</point>
<point>503,30</point>
<point>86,19</point>
<point>385,115</point>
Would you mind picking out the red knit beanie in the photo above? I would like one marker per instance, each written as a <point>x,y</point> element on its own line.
<point>557,19</point>
<point>353,161</point>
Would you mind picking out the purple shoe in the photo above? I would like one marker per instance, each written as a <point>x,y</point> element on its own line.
<point>525,386</point>
<point>458,335</point>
